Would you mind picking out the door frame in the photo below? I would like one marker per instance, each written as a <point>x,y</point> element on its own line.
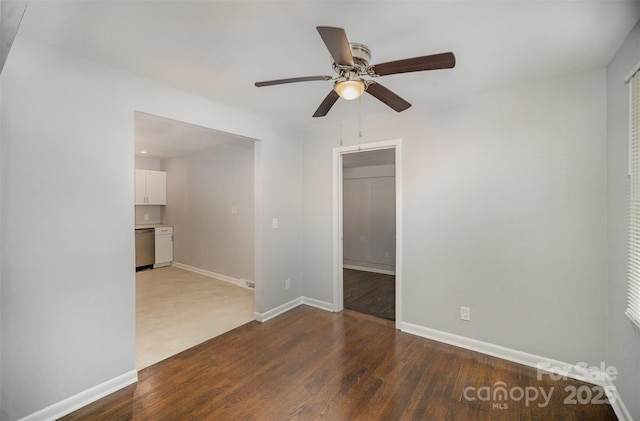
<point>338,237</point>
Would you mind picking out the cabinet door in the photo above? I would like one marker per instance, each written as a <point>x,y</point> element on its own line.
<point>164,248</point>
<point>141,189</point>
<point>156,188</point>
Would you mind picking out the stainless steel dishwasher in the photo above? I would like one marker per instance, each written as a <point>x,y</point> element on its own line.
<point>145,248</point>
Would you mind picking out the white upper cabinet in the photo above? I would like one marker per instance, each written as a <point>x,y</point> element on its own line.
<point>151,187</point>
<point>141,187</point>
<point>156,188</point>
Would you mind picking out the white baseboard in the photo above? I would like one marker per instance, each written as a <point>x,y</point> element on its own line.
<point>75,402</point>
<point>367,269</point>
<point>487,348</point>
<point>540,363</point>
<point>268,315</point>
<point>618,406</point>
<point>322,305</point>
<point>239,282</point>
<point>275,312</point>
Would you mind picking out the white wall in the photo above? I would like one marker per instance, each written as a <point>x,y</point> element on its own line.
<point>202,189</point>
<point>148,214</point>
<point>623,342</point>
<point>504,212</point>
<point>68,308</point>
<point>67,277</point>
<point>369,217</point>
<point>1,241</point>
<point>147,163</point>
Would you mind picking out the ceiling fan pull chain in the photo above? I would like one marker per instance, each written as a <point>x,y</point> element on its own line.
<point>341,144</point>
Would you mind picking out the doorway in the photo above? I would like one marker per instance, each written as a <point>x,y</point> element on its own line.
<point>368,229</point>
<point>207,289</point>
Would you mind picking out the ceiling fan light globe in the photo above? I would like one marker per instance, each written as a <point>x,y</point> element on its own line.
<point>350,89</point>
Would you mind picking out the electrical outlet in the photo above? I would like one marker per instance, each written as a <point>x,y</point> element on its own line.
<point>146,217</point>
<point>274,223</point>
<point>465,313</point>
<point>287,284</point>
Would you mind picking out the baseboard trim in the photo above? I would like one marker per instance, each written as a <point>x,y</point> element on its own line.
<point>367,269</point>
<point>268,315</point>
<point>322,305</point>
<point>275,312</point>
<point>239,282</point>
<point>617,404</point>
<point>549,365</point>
<point>498,351</point>
<point>75,402</point>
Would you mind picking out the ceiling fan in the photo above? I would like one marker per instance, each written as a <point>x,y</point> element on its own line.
<point>351,62</point>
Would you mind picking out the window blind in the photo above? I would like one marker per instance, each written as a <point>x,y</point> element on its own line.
<point>633,290</point>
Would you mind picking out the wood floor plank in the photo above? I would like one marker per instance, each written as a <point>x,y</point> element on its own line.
<point>308,364</point>
<point>370,293</point>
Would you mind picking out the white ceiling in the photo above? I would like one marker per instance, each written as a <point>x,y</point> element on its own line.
<point>219,49</point>
<point>164,138</point>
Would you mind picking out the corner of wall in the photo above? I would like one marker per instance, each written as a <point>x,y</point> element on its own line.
<point>622,341</point>
<point>2,405</point>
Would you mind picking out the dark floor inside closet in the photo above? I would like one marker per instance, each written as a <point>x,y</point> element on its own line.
<point>370,293</point>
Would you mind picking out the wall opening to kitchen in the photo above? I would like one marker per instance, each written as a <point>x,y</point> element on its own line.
<point>207,287</point>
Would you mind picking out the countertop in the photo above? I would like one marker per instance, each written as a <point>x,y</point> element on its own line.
<point>144,226</point>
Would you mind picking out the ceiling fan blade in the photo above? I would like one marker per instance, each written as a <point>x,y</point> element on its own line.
<point>291,80</point>
<point>336,41</point>
<point>326,105</point>
<point>416,64</point>
<point>387,96</point>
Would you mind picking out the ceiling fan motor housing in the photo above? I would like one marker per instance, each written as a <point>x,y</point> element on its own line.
<point>361,59</point>
<point>361,54</point>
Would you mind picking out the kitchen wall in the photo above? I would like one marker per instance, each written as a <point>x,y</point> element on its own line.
<point>504,211</point>
<point>623,341</point>
<point>68,281</point>
<point>146,163</point>
<point>369,217</point>
<point>148,214</point>
<point>210,203</point>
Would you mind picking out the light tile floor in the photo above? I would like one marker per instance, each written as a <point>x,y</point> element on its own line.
<point>178,309</point>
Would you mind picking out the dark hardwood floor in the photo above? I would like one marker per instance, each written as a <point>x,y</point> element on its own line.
<point>312,364</point>
<point>370,293</point>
